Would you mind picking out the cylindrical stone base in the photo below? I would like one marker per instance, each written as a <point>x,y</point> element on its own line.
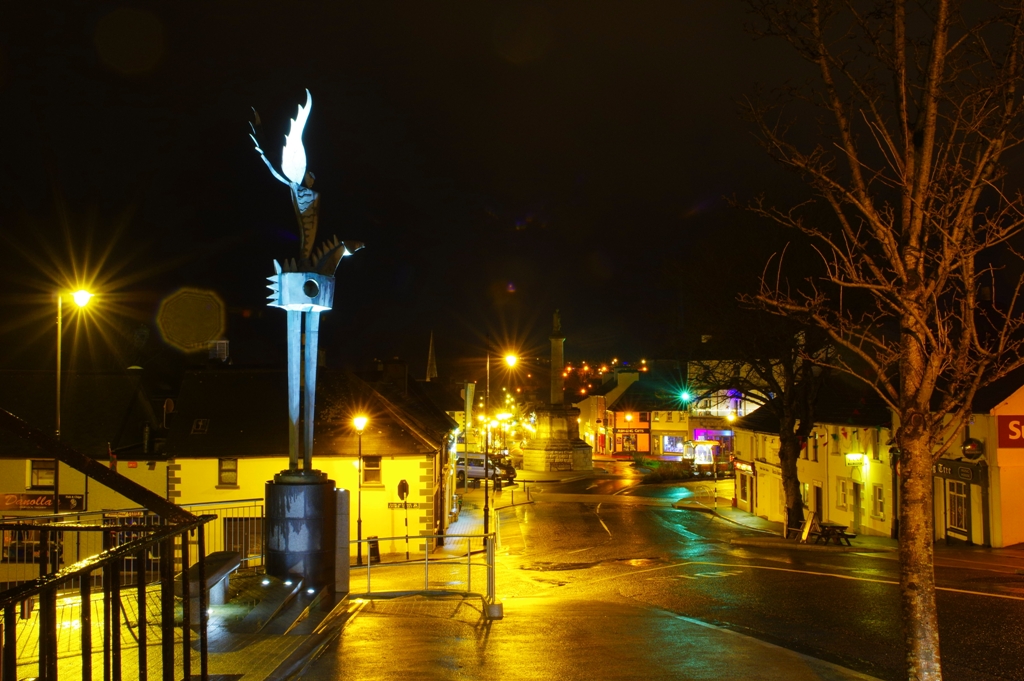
<point>301,527</point>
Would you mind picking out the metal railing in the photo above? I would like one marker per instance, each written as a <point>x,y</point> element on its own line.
<point>404,576</point>
<point>25,554</point>
<point>149,544</point>
<point>58,653</point>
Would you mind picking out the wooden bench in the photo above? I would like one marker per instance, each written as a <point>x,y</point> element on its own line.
<point>219,566</point>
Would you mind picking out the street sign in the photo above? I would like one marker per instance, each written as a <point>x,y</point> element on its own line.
<point>407,504</point>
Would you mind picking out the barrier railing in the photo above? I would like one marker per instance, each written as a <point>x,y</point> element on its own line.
<point>402,576</point>
<point>238,526</point>
<point>55,640</point>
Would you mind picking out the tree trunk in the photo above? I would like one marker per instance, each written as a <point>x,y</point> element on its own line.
<point>789,452</point>
<point>917,573</point>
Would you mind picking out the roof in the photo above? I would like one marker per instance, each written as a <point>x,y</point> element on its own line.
<point>841,401</point>
<point>648,394</point>
<point>96,409</point>
<point>443,395</point>
<point>243,413</point>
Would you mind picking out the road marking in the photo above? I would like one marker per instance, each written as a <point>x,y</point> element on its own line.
<point>592,486</point>
<point>597,512</point>
<point>624,489</point>
<point>803,572</point>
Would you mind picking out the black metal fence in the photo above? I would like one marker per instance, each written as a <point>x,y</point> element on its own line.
<point>45,607</point>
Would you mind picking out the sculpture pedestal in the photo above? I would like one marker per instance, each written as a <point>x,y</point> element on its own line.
<point>301,526</point>
<point>556,445</point>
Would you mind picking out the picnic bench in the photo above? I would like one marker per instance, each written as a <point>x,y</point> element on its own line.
<point>833,532</point>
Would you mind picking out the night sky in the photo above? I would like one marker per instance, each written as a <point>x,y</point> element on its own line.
<point>500,160</point>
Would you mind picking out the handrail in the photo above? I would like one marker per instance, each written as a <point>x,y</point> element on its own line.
<point>88,565</point>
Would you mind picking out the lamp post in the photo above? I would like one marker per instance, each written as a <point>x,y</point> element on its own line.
<point>359,422</point>
<point>81,298</point>
<point>510,360</point>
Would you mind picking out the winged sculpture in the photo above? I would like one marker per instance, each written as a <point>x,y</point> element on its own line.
<point>306,202</point>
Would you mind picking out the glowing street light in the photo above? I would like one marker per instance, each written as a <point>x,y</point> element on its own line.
<point>81,298</point>
<point>359,422</point>
<point>510,360</point>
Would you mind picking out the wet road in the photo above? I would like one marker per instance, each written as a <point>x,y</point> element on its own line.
<point>613,589</point>
<point>838,607</point>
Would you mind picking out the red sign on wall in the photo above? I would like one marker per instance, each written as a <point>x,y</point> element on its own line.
<point>1011,431</point>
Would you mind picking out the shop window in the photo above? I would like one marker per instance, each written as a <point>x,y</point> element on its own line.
<point>371,470</point>
<point>629,443</point>
<point>41,473</point>
<point>842,493</point>
<point>878,501</point>
<point>673,444</point>
<point>743,487</point>
<point>227,472</point>
<point>645,417</point>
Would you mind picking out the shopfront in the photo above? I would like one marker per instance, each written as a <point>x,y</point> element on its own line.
<point>961,501</point>
<point>629,440</point>
<point>745,481</point>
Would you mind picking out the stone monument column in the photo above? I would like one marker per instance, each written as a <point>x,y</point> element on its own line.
<point>557,360</point>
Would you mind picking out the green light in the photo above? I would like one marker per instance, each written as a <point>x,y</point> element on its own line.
<point>685,396</point>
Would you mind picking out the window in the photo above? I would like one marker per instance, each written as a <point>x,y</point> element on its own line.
<point>743,487</point>
<point>878,501</point>
<point>657,417</point>
<point>804,492</point>
<point>227,472</point>
<point>371,470</point>
<point>41,475</point>
<point>645,417</point>
<point>957,506</point>
<point>842,493</point>
<point>814,447</point>
<point>668,416</point>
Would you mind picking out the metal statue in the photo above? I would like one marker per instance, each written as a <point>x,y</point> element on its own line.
<point>303,286</point>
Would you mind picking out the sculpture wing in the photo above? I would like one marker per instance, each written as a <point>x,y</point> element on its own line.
<point>293,158</point>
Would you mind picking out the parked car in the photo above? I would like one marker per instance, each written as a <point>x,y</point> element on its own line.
<point>496,469</point>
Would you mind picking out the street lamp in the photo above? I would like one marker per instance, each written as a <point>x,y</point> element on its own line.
<point>359,422</point>
<point>510,360</point>
<point>81,298</point>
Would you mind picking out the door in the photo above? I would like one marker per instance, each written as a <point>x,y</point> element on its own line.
<point>819,502</point>
<point>856,506</point>
<point>956,510</point>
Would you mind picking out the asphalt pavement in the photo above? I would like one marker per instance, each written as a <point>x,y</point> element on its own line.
<point>602,578</point>
<point>545,634</point>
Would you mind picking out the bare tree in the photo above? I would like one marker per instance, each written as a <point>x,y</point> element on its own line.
<point>777,365</point>
<point>914,107</point>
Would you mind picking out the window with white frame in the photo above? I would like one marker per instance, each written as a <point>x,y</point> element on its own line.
<point>657,416</point>
<point>805,492</point>
<point>227,472</point>
<point>668,416</point>
<point>814,446</point>
<point>371,470</point>
<point>41,473</point>
<point>878,501</point>
<point>842,493</point>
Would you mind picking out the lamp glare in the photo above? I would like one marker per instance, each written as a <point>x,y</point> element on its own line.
<point>81,297</point>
